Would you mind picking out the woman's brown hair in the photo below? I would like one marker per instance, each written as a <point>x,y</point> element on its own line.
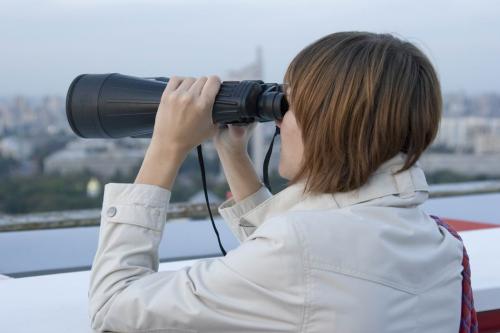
<point>359,99</point>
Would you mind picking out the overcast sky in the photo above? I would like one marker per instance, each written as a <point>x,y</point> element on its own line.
<point>45,44</point>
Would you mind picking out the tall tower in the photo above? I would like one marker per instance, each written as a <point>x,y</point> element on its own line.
<point>253,71</point>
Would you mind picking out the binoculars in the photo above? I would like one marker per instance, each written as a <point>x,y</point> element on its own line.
<point>115,105</point>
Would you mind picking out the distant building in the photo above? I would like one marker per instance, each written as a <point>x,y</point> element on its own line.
<point>5,116</point>
<point>466,164</point>
<point>16,147</point>
<point>462,105</point>
<point>488,143</point>
<point>101,157</point>
<point>469,134</point>
<point>33,116</point>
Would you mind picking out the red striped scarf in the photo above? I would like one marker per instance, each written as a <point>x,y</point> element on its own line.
<point>468,318</point>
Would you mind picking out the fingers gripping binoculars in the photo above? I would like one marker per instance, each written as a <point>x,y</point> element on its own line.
<point>116,105</point>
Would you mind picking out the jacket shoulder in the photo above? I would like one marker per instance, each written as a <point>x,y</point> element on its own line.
<point>401,248</point>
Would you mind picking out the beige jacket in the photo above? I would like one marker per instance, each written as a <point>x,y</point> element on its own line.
<point>369,260</point>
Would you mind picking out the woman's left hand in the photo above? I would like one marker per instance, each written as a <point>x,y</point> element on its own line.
<point>184,116</point>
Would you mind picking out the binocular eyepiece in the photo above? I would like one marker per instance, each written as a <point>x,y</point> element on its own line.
<point>116,105</point>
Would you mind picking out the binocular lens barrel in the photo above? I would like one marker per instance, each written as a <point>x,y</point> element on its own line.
<point>116,105</point>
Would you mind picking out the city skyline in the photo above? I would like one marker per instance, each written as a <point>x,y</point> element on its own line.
<point>47,44</point>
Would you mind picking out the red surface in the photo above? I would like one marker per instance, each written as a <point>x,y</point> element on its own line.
<point>489,321</point>
<point>461,225</point>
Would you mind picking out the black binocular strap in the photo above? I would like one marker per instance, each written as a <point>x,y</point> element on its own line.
<point>268,157</point>
<point>204,181</point>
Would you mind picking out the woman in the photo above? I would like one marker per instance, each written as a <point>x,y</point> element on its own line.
<point>344,248</point>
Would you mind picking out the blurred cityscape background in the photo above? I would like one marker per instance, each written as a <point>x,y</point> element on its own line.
<point>44,166</point>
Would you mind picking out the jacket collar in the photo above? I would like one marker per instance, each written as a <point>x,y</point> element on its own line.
<point>407,188</point>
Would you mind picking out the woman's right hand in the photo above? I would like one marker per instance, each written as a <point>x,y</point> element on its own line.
<point>231,144</point>
<point>233,139</point>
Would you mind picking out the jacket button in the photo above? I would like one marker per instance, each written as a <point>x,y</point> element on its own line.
<point>111,211</point>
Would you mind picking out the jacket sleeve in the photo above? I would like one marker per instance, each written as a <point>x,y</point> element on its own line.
<point>256,287</point>
<point>232,212</point>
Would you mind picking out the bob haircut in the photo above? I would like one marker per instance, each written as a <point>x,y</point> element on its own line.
<point>360,98</point>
